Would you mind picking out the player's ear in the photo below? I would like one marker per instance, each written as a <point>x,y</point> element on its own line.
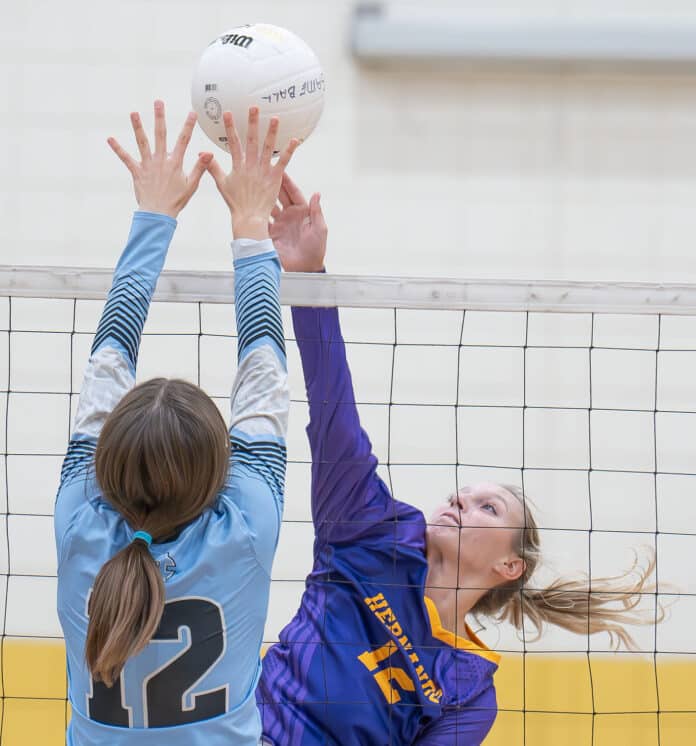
<point>510,568</point>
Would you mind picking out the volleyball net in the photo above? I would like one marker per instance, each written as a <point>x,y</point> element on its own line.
<point>582,393</point>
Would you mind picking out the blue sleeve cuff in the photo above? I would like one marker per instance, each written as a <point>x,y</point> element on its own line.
<point>146,249</point>
<point>155,216</point>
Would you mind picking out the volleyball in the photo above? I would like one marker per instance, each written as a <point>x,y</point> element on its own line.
<point>258,65</point>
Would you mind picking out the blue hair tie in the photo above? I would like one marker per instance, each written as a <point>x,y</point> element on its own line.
<point>143,536</point>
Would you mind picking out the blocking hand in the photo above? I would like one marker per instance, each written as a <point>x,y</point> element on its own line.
<point>251,188</point>
<point>158,179</point>
<point>299,231</point>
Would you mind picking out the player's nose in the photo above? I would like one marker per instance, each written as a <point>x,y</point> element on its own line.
<point>462,501</point>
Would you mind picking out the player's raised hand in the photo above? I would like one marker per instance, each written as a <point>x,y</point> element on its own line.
<point>298,230</point>
<point>251,188</point>
<point>159,180</point>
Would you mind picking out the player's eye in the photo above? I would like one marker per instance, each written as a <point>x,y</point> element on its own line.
<point>490,508</point>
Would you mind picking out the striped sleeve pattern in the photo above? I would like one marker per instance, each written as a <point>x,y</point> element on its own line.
<point>260,396</point>
<point>110,371</point>
<point>258,308</point>
<point>124,316</point>
<point>78,459</point>
<point>264,456</point>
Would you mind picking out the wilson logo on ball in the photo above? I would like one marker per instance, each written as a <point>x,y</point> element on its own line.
<point>239,40</point>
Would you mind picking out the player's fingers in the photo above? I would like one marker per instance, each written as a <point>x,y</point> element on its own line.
<point>286,155</point>
<point>160,129</point>
<point>276,212</point>
<point>129,163</point>
<point>184,138</point>
<point>140,136</point>
<point>204,160</point>
<point>284,197</point>
<point>316,214</point>
<point>252,143</point>
<point>270,141</point>
<point>216,171</point>
<point>293,191</point>
<point>233,140</point>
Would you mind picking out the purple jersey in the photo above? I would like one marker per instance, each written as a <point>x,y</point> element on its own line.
<point>365,660</point>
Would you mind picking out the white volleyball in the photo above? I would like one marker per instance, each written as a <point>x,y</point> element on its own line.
<point>258,65</point>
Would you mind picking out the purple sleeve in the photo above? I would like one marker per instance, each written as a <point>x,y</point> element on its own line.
<point>464,727</point>
<point>348,498</point>
<point>466,724</point>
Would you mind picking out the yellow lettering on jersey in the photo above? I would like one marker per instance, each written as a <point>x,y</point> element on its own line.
<point>371,659</point>
<point>376,602</point>
<point>386,676</point>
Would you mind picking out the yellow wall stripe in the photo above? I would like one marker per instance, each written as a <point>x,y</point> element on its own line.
<point>560,694</point>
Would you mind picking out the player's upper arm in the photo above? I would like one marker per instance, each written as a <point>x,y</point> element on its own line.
<point>107,380</point>
<point>463,725</point>
<point>76,488</point>
<point>260,508</point>
<point>259,422</point>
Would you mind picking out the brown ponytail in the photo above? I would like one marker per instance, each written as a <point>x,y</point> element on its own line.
<point>583,606</point>
<point>161,459</point>
<point>124,610</point>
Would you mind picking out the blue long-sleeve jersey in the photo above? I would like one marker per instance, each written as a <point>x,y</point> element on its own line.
<point>194,682</point>
<point>366,660</point>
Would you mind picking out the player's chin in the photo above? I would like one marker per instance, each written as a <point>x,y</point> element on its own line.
<point>442,523</point>
<point>443,536</point>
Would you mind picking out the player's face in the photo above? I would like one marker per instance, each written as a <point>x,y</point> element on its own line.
<point>476,530</point>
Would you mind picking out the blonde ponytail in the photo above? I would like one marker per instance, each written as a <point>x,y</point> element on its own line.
<point>583,606</point>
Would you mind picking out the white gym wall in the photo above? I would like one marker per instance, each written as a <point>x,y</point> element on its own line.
<point>561,174</point>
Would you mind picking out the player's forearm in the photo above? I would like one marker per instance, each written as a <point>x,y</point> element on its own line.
<point>257,297</point>
<point>111,369</point>
<point>326,373</point>
<point>335,434</point>
<point>260,396</point>
<point>134,281</point>
<point>343,466</point>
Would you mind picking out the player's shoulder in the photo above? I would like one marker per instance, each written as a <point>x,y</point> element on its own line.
<point>470,676</point>
<point>79,499</point>
<point>389,525</point>
<point>225,529</point>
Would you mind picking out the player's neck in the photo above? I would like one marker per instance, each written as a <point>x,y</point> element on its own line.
<point>452,603</point>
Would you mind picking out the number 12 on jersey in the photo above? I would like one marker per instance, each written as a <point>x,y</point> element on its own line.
<point>165,689</point>
<point>385,676</point>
